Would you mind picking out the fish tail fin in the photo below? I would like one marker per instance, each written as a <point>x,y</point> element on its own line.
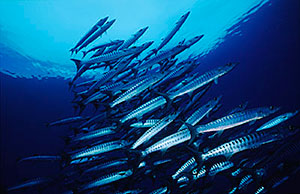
<point>77,63</point>
<point>84,53</point>
<point>72,50</point>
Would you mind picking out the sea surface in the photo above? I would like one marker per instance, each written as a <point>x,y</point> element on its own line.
<point>263,36</point>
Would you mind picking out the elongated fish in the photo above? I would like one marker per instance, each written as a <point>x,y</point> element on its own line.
<point>137,89</point>
<point>40,158</point>
<point>30,183</point>
<point>277,120</point>
<point>143,109</point>
<point>201,113</point>
<point>106,179</point>
<point>203,80</point>
<point>167,54</point>
<point>154,130</point>
<point>99,149</point>
<point>169,141</point>
<point>109,75</point>
<point>67,121</point>
<point>134,38</point>
<point>95,134</point>
<point>232,147</point>
<point>108,164</point>
<point>98,33</point>
<point>145,124</point>
<point>178,25</point>
<point>83,65</point>
<point>236,119</point>
<point>104,45</point>
<point>89,33</point>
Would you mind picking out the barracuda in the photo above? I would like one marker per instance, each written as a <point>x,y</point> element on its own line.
<point>251,141</point>
<point>99,149</point>
<point>101,46</point>
<point>108,164</point>
<point>68,121</point>
<point>106,179</point>
<point>169,141</point>
<point>50,158</point>
<point>178,25</point>
<point>167,54</point>
<point>199,114</point>
<point>155,129</point>
<point>277,120</point>
<point>134,38</point>
<point>136,89</point>
<point>84,65</point>
<point>30,183</point>
<point>95,134</point>
<point>143,109</point>
<point>145,124</point>
<point>89,33</point>
<point>203,80</point>
<point>236,119</point>
<point>96,34</point>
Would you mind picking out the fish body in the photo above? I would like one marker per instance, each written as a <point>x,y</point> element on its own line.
<point>201,113</point>
<point>106,179</point>
<point>169,141</point>
<point>164,55</point>
<point>277,120</point>
<point>144,108</point>
<point>154,130</point>
<point>232,147</point>
<point>145,124</point>
<point>202,80</point>
<point>67,121</point>
<point>236,119</point>
<point>101,46</point>
<point>40,158</point>
<point>89,33</point>
<point>95,134</point>
<point>99,149</point>
<point>106,165</point>
<point>134,38</point>
<point>136,89</point>
<point>96,34</point>
<point>178,25</point>
<point>30,183</point>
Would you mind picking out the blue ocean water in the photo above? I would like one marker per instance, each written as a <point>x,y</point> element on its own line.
<point>34,86</point>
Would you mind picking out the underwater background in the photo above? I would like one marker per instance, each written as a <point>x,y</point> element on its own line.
<point>35,38</point>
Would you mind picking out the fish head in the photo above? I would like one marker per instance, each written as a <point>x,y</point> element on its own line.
<point>147,44</point>
<point>102,21</point>
<point>228,67</point>
<point>193,40</point>
<point>142,31</point>
<point>183,18</point>
<point>110,23</point>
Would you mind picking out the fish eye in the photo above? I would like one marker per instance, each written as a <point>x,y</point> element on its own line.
<point>271,107</point>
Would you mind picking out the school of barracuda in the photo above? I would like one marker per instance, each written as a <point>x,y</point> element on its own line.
<point>152,133</point>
